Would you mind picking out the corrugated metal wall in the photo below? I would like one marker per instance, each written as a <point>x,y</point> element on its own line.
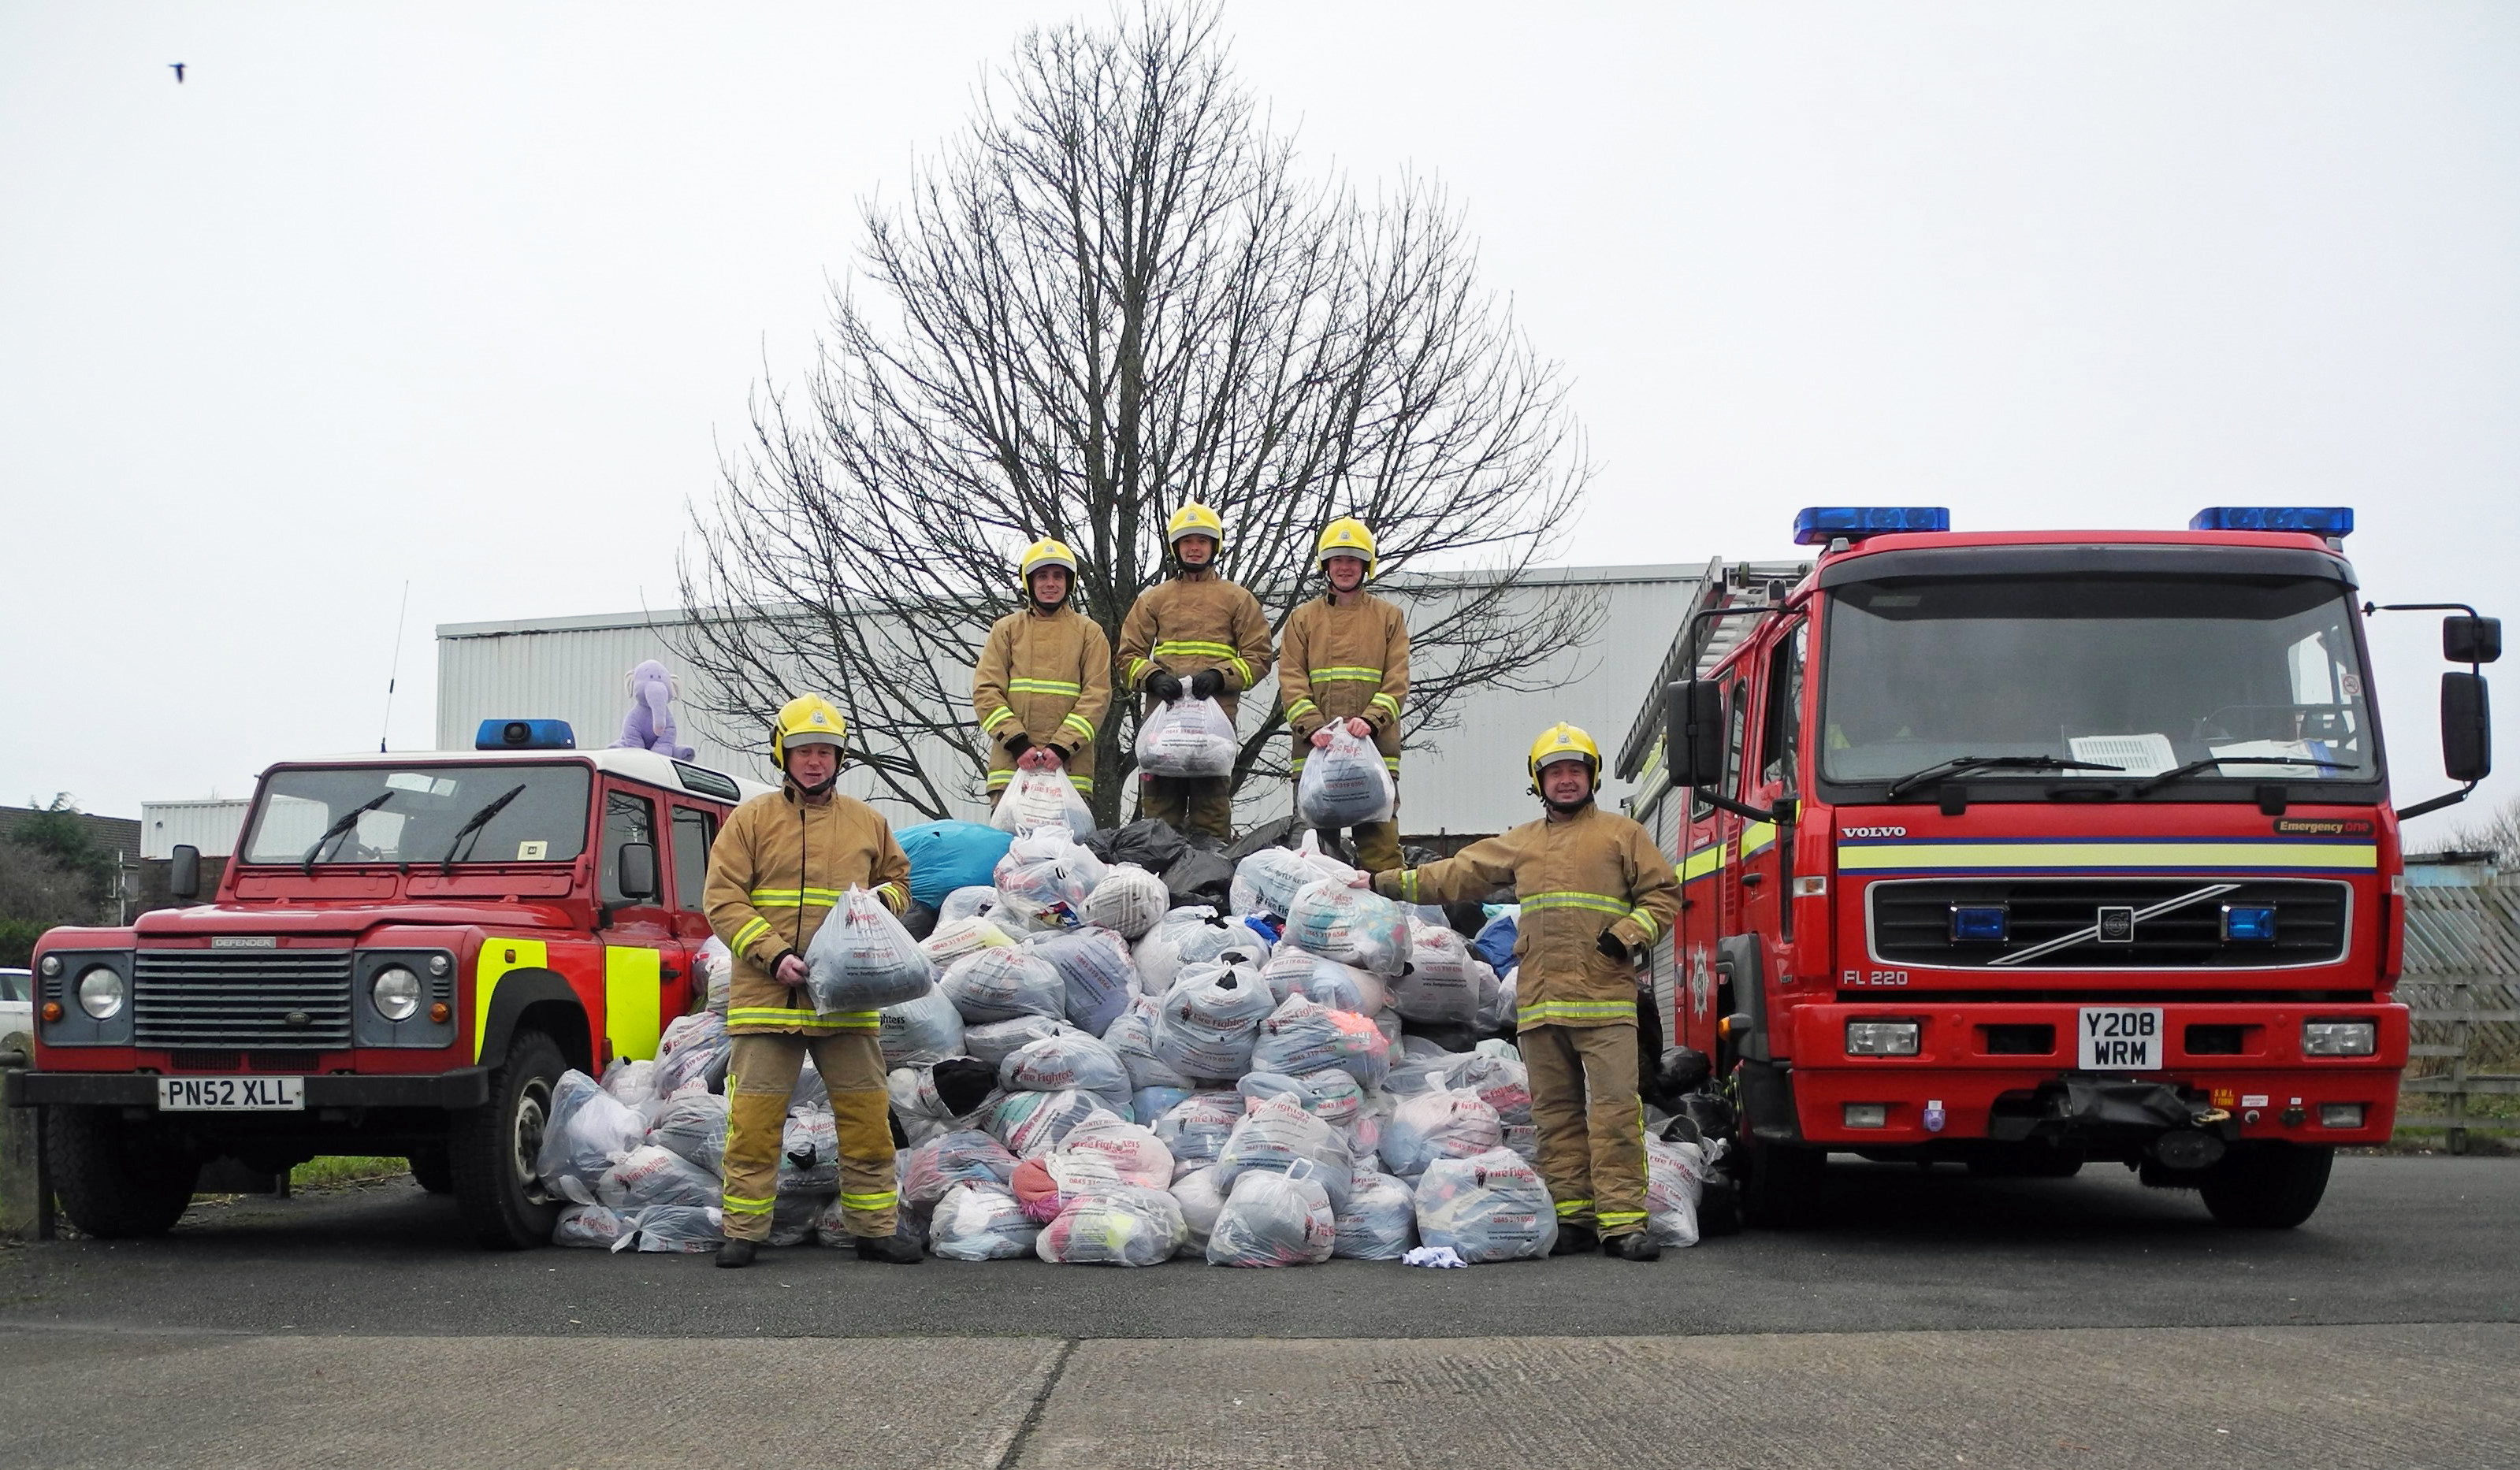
<point>1468,778</point>
<point>211,825</point>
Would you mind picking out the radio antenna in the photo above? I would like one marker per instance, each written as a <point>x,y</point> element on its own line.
<point>393,670</point>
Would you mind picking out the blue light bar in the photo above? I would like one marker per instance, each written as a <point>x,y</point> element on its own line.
<point>2248,924</point>
<point>2311,521</point>
<point>1819,525</point>
<point>524,734</point>
<point>1975,923</point>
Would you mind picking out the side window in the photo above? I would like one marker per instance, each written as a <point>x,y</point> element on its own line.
<point>627,818</point>
<point>693,831</point>
<point>1736,695</point>
<point>1781,730</point>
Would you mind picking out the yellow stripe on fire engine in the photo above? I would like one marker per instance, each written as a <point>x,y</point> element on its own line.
<point>634,1001</point>
<point>1758,836</point>
<point>2254,856</point>
<point>499,957</point>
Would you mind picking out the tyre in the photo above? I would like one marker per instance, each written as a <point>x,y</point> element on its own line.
<point>491,1149</point>
<point>433,1170</point>
<point>117,1180</point>
<point>1718,1210</point>
<point>1782,1184</point>
<point>2268,1187</point>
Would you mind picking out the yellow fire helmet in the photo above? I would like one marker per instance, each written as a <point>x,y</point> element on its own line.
<point>807,720</point>
<point>1049,550</point>
<point>1562,742</point>
<point>1196,519</point>
<point>1347,537</point>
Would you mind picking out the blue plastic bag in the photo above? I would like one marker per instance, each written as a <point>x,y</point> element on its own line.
<point>1494,943</point>
<point>948,855</point>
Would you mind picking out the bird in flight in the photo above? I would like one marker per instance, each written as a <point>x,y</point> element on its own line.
<point>179,71</point>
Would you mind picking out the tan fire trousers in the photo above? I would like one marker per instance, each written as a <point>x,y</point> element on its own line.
<point>761,1071</point>
<point>1592,1122</point>
<point>1189,803</point>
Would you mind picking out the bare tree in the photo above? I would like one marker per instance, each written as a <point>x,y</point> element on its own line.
<point>1113,294</point>
<point>2499,834</point>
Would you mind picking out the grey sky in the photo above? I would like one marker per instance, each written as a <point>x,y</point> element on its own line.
<point>469,294</point>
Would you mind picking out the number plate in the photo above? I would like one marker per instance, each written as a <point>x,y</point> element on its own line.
<point>231,1095</point>
<point>2120,1039</point>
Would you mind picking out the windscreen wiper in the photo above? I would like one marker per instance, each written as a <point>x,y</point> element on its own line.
<point>1962,764</point>
<point>474,823</point>
<point>2209,762</point>
<point>342,824</point>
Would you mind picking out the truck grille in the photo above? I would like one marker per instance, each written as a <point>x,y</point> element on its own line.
<point>1912,922</point>
<point>200,998</point>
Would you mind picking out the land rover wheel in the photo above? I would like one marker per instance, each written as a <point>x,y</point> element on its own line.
<point>117,1179</point>
<point>2268,1187</point>
<point>491,1149</point>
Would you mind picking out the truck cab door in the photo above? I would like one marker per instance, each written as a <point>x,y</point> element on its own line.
<point>637,931</point>
<point>695,834</point>
<point>1768,777</point>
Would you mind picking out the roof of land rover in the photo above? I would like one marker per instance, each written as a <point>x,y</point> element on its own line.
<point>639,765</point>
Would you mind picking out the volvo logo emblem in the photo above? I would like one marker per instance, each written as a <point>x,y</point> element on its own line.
<point>2116,925</point>
<point>299,1018</point>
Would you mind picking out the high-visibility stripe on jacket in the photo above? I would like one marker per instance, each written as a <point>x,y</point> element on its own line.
<point>1047,679</point>
<point>1575,878</point>
<point>780,865</point>
<point>1192,623</point>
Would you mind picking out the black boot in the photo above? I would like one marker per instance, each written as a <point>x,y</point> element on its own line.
<point>1635,1245</point>
<point>1574,1240</point>
<point>735,1255</point>
<point>892,1250</point>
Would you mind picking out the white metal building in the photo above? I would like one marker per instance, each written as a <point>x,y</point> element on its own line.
<point>211,825</point>
<point>1467,779</point>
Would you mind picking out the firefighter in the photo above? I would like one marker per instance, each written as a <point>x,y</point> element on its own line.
<point>1199,635</point>
<point>1344,659</point>
<point>1044,679</point>
<point>1595,893</point>
<point>779,867</point>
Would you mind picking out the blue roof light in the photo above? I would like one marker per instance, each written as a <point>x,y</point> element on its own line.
<point>524,734</point>
<point>2310,520</point>
<point>1819,525</point>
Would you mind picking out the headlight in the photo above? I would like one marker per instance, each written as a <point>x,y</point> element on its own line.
<point>1881,1038</point>
<point>2338,1038</point>
<point>51,965</point>
<point>100,992</point>
<point>395,993</point>
<point>439,964</point>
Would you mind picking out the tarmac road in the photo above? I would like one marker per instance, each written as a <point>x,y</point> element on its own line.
<point>1933,1320</point>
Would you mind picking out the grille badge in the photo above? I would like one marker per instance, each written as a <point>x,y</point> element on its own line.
<point>2114,924</point>
<point>299,1018</point>
<point>245,941</point>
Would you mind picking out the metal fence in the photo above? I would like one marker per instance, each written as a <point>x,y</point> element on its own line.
<point>2463,983</point>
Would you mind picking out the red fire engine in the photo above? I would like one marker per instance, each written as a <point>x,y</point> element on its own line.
<point>2032,849</point>
<point>405,953</point>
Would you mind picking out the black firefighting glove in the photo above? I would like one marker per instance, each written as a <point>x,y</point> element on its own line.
<point>1611,947</point>
<point>1208,684</point>
<point>1161,684</point>
<point>1019,743</point>
<point>1063,753</point>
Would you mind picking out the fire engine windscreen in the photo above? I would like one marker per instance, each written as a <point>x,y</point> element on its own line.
<point>417,814</point>
<point>2144,673</point>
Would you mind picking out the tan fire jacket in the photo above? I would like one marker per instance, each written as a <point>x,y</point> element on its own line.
<point>1190,624</point>
<point>1047,679</point>
<point>1338,663</point>
<point>779,868</point>
<point>1593,872</point>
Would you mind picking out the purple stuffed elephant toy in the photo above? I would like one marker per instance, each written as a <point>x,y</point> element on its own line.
<point>649,724</point>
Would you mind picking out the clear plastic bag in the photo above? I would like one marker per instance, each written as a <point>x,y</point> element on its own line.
<point>1294,971</point>
<point>1275,1135</point>
<point>1124,1225</point>
<point>1036,799</point>
<point>1192,934</point>
<point>1031,1123</point>
<point>831,1227</point>
<point>1301,1035</point>
<point>632,1084</point>
<point>1045,877</point>
<point>1438,988</point>
<point>1351,925</point>
<point>1103,1149</point>
<point>1502,1083</point>
<point>693,1050</point>
<point>1131,1037</point>
<point>587,1226</point>
<point>953,938</point>
<point>693,1127</point>
<point>955,1094</point>
<point>977,1221</point>
<point>1489,1207</point>
<point>1332,1096</point>
<point>1201,1199</point>
<point>651,1175</point>
<point>997,1041</point>
<point>971,902</point>
<point>683,1228</point>
<point>585,1133</point>
<point>965,1156</point>
<point>1496,999</point>
<point>717,971</point>
<point>1129,901</point>
<point>1186,739</point>
<point>1436,1125</point>
<point>1003,983</point>
<point>1345,782</point>
<point>1273,1218</point>
<point>1267,882</point>
<point>863,959</point>
<point>1072,1060</point>
<point>1209,1019</point>
<point>1675,1185</point>
<point>1381,1221</point>
<point>918,1032</point>
<point>792,1217</point>
<point>1095,966</point>
<point>809,1153</point>
<point>1196,1128</point>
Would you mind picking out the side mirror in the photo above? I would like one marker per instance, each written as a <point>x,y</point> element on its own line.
<point>638,871</point>
<point>184,874</point>
<point>2471,639</point>
<point>2467,723</point>
<point>1693,733</point>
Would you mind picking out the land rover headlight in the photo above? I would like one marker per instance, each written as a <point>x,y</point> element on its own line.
<point>100,992</point>
<point>395,993</point>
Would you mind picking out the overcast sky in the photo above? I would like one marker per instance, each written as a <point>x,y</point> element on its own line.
<point>469,296</point>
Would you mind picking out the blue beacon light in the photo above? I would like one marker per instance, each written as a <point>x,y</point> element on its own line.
<point>2310,520</point>
<point>1819,525</point>
<point>524,734</point>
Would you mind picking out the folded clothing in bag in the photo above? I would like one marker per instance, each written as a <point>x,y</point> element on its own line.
<point>1186,739</point>
<point>916,1032</point>
<point>586,1131</point>
<point>1381,1221</point>
<point>1038,798</point>
<point>1031,1123</point>
<point>694,1126</point>
<point>1057,1063</point>
<point>1196,1128</point>
<point>1344,783</point>
<point>693,1052</point>
<point>1125,1224</point>
<point>1101,1149</point>
<point>864,959</point>
<point>1128,901</point>
<point>1351,925</point>
<point>1098,973</point>
<point>685,1228</point>
<point>1209,1020</point>
<point>650,1176</point>
<point>965,1156</point>
<point>1294,971</point>
<point>1438,989</point>
<point>1276,1135</point>
<point>1273,1218</point>
<point>1438,1123</point>
<point>1489,1207</point>
<point>976,1221</point>
<point>1002,984</point>
<point>1299,1037</point>
<point>587,1226</point>
<point>1132,1037</point>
